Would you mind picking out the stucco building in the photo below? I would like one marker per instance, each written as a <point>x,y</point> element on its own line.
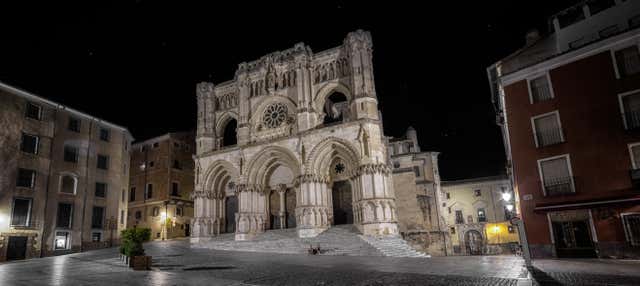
<point>568,107</point>
<point>63,178</point>
<point>478,213</point>
<point>295,140</point>
<point>161,185</point>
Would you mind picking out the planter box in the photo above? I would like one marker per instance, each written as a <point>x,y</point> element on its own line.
<point>140,262</point>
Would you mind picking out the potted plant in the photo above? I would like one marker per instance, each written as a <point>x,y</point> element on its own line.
<point>132,240</point>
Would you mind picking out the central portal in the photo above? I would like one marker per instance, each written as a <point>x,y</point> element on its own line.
<point>342,203</point>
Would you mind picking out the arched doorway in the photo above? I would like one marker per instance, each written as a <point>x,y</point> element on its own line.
<point>335,107</point>
<point>342,203</point>
<point>231,208</point>
<point>473,242</point>
<point>290,208</point>
<point>274,210</point>
<point>229,137</point>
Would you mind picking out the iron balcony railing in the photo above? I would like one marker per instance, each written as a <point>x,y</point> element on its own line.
<point>549,137</point>
<point>541,93</point>
<point>559,186</point>
<point>632,118</point>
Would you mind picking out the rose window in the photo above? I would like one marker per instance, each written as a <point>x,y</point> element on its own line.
<point>339,168</point>
<point>274,115</point>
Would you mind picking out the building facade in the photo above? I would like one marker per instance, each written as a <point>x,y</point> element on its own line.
<point>63,178</point>
<point>416,182</point>
<point>478,213</point>
<point>162,177</point>
<point>568,106</point>
<point>295,141</point>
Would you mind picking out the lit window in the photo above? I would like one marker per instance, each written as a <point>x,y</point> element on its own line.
<point>482,215</point>
<point>61,240</point>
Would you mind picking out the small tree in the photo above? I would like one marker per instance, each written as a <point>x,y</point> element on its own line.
<point>132,240</point>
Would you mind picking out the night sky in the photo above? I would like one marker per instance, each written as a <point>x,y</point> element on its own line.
<point>136,63</point>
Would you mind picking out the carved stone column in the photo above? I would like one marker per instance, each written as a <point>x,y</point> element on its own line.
<point>374,206</point>
<point>251,216</point>
<point>313,213</point>
<point>202,219</point>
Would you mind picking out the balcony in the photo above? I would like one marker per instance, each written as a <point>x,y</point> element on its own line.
<point>559,186</point>
<point>635,179</point>
<point>631,119</point>
<point>549,137</point>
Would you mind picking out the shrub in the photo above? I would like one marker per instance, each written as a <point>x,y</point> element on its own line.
<point>132,240</point>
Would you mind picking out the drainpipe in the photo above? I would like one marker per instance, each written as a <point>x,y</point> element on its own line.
<point>86,178</point>
<point>46,198</point>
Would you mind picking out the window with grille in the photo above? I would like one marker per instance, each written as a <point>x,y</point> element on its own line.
<point>62,240</point>
<point>70,154</point>
<point>21,213</point>
<point>540,89</point>
<point>101,190</point>
<point>556,176</point>
<point>459,217</point>
<point>631,224</point>
<point>630,104</point>
<point>64,216</point>
<point>628,61</point>
<point>96,236</point>
<point>33,111</point>
<point>97,218</point>
<point>29,143</point>
<point>26,178</point>
<point>547,129</point>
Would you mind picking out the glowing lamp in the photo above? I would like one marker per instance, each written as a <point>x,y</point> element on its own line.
<point>496,229</point>
<point>509,207</point>
<point>506,196</point>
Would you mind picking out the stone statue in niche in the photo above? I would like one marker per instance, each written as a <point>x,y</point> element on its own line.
<point>271,78</point>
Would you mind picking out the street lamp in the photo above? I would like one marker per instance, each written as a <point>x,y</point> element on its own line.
<point>506,196</point>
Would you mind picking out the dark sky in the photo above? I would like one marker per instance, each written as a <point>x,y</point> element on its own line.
<point>136,63</point>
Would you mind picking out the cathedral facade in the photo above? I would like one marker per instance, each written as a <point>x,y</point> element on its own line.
<point>295,140</point>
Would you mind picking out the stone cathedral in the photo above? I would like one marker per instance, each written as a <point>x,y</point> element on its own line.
<point>295,140</point>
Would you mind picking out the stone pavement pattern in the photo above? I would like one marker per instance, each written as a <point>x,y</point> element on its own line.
<point>175,263</point>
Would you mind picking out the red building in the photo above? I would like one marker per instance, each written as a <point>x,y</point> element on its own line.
<point>569,107</point>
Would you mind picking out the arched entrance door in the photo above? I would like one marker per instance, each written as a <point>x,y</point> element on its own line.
<point>473,242</point>
<point>231,208</point>
<point>342,203</point>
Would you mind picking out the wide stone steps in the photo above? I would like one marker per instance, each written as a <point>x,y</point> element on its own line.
<point>337,240</point>
<point>393,246</point>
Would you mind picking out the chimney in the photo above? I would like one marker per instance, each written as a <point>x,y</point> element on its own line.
<point>532,36</point>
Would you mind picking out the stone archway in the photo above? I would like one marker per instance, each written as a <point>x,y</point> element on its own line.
<point>473,242</point>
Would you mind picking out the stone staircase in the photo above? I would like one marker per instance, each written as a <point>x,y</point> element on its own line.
<point>337,240</point>
<point>393,246</point>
